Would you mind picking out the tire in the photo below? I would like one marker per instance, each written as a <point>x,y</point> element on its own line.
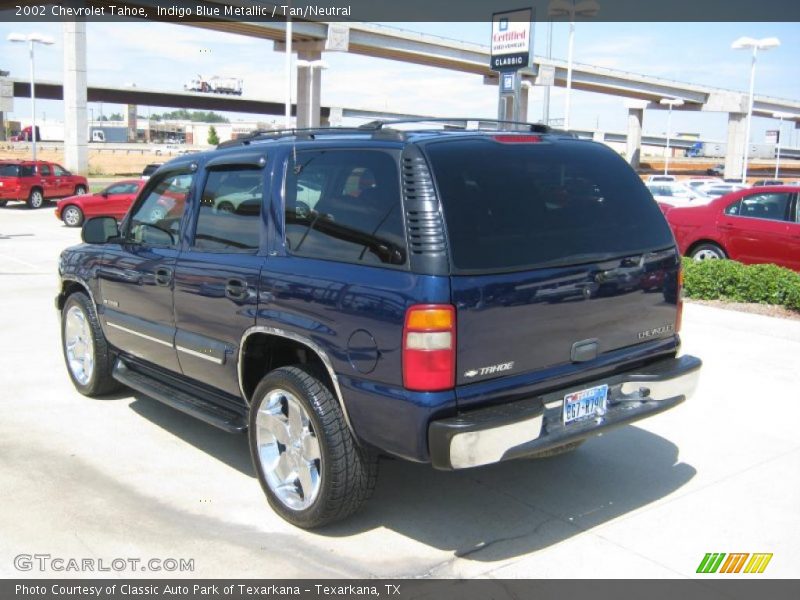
<point>558,450</point>
<point>708,252</point>
<point>35,198</point>
<point>3,203</point>
<point>312,471</point>
<point>80,190</point>
<point>226,207</point>
<point>82,336</point>
<point>72,216</point>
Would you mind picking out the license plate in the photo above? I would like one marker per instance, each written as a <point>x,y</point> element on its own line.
<point>584,404</point>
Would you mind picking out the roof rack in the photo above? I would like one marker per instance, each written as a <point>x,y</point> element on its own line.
<point>382,128</point>
<point>309,133</point>
<point>461,123</point>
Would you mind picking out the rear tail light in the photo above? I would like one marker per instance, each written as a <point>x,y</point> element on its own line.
<point>679,316</point>
<point>429,347</point>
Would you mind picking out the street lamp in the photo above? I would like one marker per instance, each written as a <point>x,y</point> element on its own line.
<point>311,65</point>
<point>747,43</point>
<point>780,116</point>
<point>669,102</point>
<point>571,9</point>
<point>31,38</point>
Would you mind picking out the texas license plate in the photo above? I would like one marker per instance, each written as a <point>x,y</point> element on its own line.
<point>584,404</point>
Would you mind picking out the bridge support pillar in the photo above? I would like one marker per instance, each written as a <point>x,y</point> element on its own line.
<point>633,147</point>
<point>76,127</point>
<point>309,84</point>
<point>734,152</point>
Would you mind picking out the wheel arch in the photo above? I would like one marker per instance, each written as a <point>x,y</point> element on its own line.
<point>69,286</point>
<point>263,349</point>
<point>693,246</point>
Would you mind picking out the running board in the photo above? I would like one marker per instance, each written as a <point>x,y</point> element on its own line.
<point>205,410</point>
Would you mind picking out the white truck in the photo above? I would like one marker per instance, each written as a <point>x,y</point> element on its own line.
<point>215,85</point>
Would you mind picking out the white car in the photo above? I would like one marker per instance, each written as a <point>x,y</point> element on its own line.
<point>655,178</point>
<point>695,183</point>
<point>715,190</point>
<point>676,194</point>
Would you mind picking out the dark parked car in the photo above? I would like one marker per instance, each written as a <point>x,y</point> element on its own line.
<point>716,170</point>
<point>756,225</point>
<point>456,298</point>
<point>37,182</point>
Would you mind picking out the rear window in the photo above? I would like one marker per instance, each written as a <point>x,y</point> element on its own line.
<point>517,206</point>
<point>9,170</point>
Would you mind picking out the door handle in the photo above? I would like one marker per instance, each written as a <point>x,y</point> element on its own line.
<point>236,289</point>
<point>163,276</point>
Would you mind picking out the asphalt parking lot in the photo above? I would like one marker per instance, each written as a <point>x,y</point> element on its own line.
<point>127,477</point>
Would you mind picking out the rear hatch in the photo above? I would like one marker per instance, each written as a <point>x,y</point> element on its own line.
<point>558,253</point>
<point>9,176</point>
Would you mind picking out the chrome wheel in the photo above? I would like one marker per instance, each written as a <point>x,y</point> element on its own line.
<point>72,216</point>
<point>36,199</point>
<point>288,450</point>
<point>78,345</point>
<point>706,254</point>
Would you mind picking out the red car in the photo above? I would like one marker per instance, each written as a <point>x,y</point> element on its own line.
<point>36,182</point>
<point>758,225</point>
<point>114,201</point>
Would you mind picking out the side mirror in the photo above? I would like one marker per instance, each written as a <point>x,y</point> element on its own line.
<point>104,193</point>
<point>99,230</point>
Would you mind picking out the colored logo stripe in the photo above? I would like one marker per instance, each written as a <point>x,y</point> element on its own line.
<point>758,563</point>
<point>733,564</point>
<point>710,562</point>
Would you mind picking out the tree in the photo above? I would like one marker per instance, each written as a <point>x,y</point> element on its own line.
<point>213,138</point>
<point>115,117</point>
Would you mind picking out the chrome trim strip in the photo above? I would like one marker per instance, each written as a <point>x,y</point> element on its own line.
<point>138,333</point>
<point>476,448</point>
<point>302,340</point>
<point>191,352</point>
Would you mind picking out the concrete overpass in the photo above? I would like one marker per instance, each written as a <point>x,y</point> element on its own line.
<point>312,39</point>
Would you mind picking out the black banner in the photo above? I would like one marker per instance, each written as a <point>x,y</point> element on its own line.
<point>393,10</point>
<point>495,589</point>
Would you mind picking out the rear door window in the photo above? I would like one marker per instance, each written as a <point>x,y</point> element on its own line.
<point>514,206</point>
<point>44,170</point>
<point>229,219</point>
<point>344,205</point>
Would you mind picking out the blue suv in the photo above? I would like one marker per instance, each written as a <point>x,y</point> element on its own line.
<point>451,296</point>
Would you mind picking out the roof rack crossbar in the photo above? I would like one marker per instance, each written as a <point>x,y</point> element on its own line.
<point>465,122</point>
<point>304,133</point>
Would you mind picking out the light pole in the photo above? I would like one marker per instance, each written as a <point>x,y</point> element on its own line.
<point>780,116</point>
<point>571,9</point>
<point>31,38</point>
<point>747,43</point>
<point>669,102</point>
<point>311,65</point>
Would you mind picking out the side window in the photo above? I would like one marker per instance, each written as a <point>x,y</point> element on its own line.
<point>26,171</point>
<point>344,205</point>
<point>44,170</point>
<point>59,171</point>
<point>765,206</point>
<point>229,218</point>
<point>119,188</point>
<point>156,218</point>
<point>733,208</point>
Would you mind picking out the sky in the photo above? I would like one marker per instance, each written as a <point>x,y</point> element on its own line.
<point>165,56</point>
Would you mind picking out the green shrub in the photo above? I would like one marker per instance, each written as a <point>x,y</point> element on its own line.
<point>733,281</point>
